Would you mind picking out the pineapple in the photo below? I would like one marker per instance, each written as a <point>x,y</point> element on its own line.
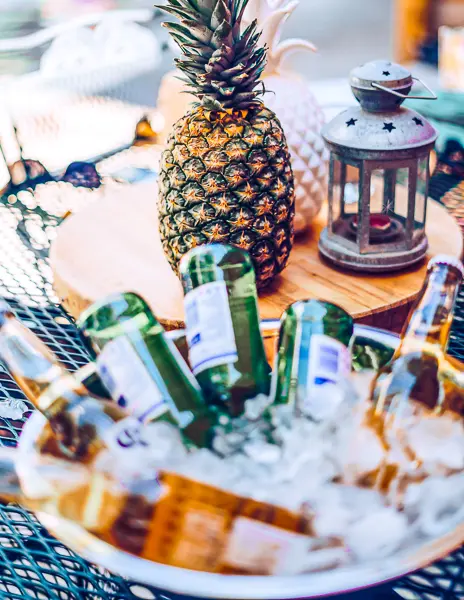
<point>225,173</point>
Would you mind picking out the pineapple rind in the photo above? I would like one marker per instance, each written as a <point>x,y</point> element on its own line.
<point>229,181</point>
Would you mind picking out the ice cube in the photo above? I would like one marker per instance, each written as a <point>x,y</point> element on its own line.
<point>323,402</point>
<point>12,409</point>
<point>439,502</point>
<point>359,500</point>
<point>362,455</point>
<point>138,465</point>
<point>336,507</point>
<point>205,466</point>
<point>282,417</point>
<point>262,452</point>
<point>255,407</point>
<point>164,443</point>
<point>287,496</point>
<point>438,441</point>
<point>377,534</point>
<point>226,443</point>
<point>331,520</point>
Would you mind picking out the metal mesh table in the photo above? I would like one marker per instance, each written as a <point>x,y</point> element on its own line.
<point>32,563</point>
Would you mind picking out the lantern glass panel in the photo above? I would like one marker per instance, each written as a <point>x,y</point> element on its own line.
<point>351,191</point>
<point>351,197</point>
<point>377,191</point>
<point>401,194</point>
<point>335,199</point>
<point>421,194</point>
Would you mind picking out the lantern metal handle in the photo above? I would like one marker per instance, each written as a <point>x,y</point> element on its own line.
<point>433,96</point>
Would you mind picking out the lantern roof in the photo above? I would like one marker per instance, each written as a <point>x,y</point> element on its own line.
<point>402,129</point>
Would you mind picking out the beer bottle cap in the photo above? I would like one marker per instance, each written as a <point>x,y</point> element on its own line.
<point>444,259</point>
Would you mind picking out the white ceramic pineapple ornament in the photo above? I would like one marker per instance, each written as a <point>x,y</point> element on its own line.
<point>293,102</point>
<point>289,97</point>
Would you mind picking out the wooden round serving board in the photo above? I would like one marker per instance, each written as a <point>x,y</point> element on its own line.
<point>113,245</point>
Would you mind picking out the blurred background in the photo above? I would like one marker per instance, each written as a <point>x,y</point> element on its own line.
<point>347,32</point>
<point>117,49</point>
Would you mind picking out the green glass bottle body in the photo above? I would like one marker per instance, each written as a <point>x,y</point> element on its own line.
<point>142,369</point>
<point>420,370</point>
<point>82,424</point>
<point>313,350</point>
<point>226,349</point>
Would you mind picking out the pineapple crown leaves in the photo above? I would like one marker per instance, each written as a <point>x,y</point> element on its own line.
<point>221,64</point>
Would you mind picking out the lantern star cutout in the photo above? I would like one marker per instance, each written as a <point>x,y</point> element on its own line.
<point>418,121</point>
<point>389,127</point>
<point>351,122</point>
<point>386,73</point>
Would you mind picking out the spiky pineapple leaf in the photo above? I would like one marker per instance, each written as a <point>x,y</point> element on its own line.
<point>240,7</point>
<point>222,36</point>
<point>221,13</point>
<point>204,7</point>
<point>220,62</point>
<point>199,32</point>
<point>181,13</point>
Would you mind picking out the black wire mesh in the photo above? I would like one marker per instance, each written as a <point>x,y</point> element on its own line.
<point>32,563</point>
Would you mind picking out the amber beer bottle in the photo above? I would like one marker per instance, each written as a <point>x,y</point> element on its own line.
<point>169,518</point>
<point>221,311</point>
<point>82,423</point>
<point>420,370</point>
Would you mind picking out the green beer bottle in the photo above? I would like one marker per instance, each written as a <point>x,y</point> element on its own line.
<point>221,310</point>
<point>142,369</point>
<point>312,352</point>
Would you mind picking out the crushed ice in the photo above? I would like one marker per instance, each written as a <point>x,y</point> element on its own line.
<point>376,494</point>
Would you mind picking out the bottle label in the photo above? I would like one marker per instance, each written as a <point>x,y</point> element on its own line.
<point>124,437</point>
<point>210,332</point>
<point>204,531</point>
<point>329,361</point>
<point>129,382</point>
<point>261,548</point>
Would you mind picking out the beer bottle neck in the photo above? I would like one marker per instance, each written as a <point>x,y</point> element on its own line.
<point>432,317</point>
<point>30,362</point>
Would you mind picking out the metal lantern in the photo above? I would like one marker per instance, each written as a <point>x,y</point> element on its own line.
<point>379,174</point>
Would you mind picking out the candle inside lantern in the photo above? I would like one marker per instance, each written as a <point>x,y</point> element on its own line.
<point>378,222</point>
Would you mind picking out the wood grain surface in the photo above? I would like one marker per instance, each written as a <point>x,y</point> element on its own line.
<point>113,245</point>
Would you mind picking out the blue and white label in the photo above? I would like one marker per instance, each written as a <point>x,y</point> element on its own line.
<point>125,436</point>
<point>329,361</point>
<point>329,364</point>
<point>129,382</point>
<point>210,332</point>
